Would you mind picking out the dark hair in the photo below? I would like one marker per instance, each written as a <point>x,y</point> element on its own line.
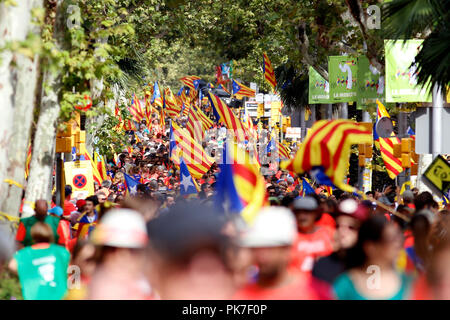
<point>371,230</point>
<point>424,199</point>
<point>67,190</point>
<point>93,199</point>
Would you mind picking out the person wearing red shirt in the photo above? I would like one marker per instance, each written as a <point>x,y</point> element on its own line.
<point>69,207</point>
<point>270,239</point>
<point>313,241</point>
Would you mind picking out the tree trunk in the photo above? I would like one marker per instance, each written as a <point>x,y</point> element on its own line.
<point>43,156</point>
<point>17,83</point>
<point>42,161</point>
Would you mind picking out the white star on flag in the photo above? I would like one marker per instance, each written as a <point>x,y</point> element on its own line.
<point>133,190</point>
<point>186,182</point>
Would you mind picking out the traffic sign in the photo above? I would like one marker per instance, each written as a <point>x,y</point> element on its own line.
<point>437,174</point>
<point>79,175</point>
<point>79,181</point>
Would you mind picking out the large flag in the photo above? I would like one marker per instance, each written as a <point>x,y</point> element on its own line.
<point>156,98</point>
<point>240,187</point>
<point>187,184</point>
<point>196,159</point>
<point>131,185</point>
<point>386,146</point>
<point>227,116</point>
<point>326,150</point>
<point>206,121</point>
<point>269,74</point>
<point>136,109</point>
<point>241,90</point>
<point>192,82</point>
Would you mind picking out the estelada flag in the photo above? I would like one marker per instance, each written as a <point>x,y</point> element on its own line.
<point>326,150</point>
<point>241,90</point>
<point>240,186</point>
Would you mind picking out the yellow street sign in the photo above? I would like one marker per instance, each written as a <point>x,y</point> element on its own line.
<point>438,174</point>
<point>79,175</point>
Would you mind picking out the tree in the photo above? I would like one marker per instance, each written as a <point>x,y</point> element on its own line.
<point>423,19</point>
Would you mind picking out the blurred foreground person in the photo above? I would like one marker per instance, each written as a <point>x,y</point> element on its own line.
<point>187,257</point>
<point>312,241</point>
<point>348,220</point>
<point>270,239</point>
<point>42,267</point>
<point>371,272</point>
<point>83,263</point>
<point>120,237</point>
<point>23,235</point>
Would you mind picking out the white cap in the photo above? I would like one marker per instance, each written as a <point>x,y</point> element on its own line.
<point>122,228</point>
<point>273,227</point>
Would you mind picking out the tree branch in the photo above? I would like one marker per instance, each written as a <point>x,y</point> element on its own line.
<point>303,42</point>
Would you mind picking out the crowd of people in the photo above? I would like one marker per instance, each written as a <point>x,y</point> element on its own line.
<point>158,244</point>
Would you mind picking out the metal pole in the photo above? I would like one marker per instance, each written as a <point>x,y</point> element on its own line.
<point>344,110</point>
<point>302,123</point>
<point>313,112</point>
<point>366,117</point>
<point>329,111</point>
<point>436,121</point>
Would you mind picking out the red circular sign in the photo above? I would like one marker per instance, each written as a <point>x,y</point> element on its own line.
<point>79,181</point>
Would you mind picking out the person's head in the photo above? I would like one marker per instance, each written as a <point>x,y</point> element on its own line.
<point>415,191</point>
<point>408,197</point>
<point>170,201</point>
<point>270,239</point>
<point>101,197</point>
<point>41,209</point>
<point>379,243</point>
<point>41,232</point>
<point>106,184</point>
<point>349,218</point>
<point>425,200</point>
<point>305,210</point>
<point>91,202</point>
<point>83,256</point>
<point>187,254</point>
<point>68,191</point>
<point>56,211</point>
<point>120,238</point>
<point>80,205</point>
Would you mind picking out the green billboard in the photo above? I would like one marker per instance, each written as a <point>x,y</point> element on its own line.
<point>319,90</point>
<point>343,73</point>
<point>401,74</point>
<point>370,84</point>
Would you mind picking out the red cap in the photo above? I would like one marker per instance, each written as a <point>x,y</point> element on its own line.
<point>80,203</point>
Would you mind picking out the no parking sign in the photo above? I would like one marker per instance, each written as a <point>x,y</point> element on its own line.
<point>79,175</point>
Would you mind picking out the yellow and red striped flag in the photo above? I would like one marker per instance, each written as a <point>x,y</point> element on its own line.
<point>136,109</point>
<point>231,121</point>
<point>326,150</point>
<point>206,121</point>
<point>172,108</point>
<point>194,125</point>
<point>196,159</point>
<point>283,151</point>
<point>386,146</point>
<point>269,74</point>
